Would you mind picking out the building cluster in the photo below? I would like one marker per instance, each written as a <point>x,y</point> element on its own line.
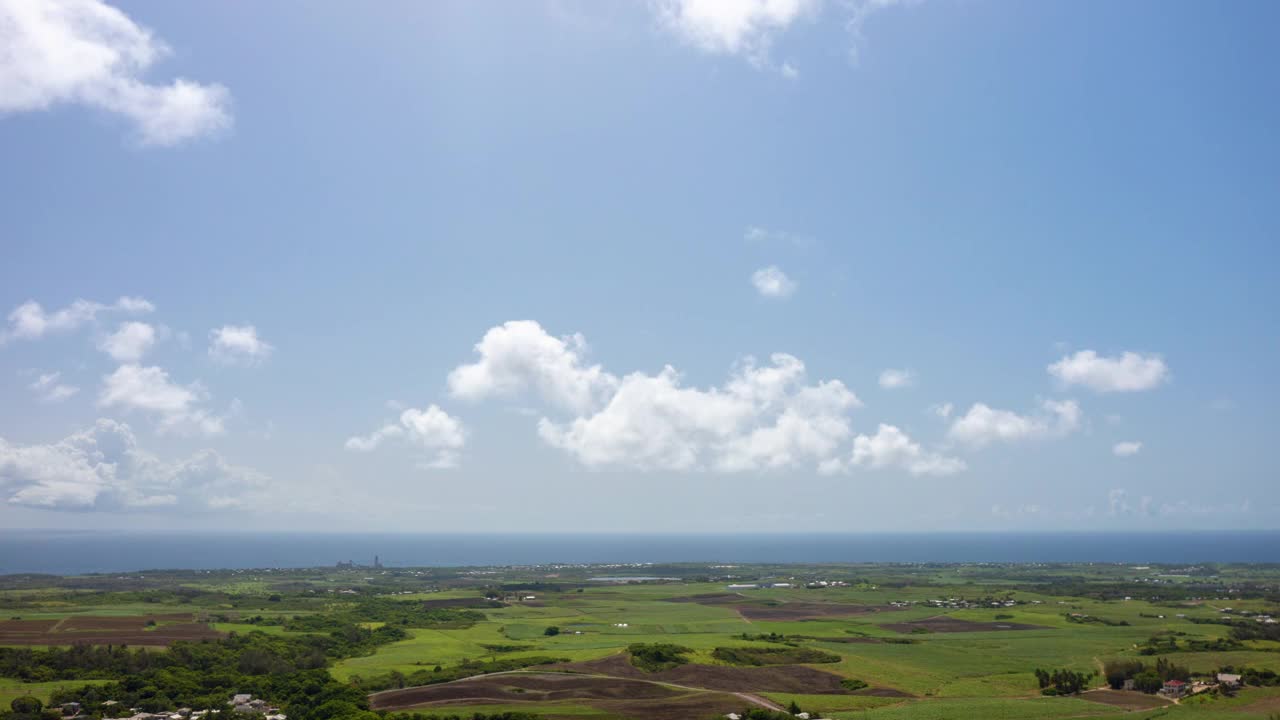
<point>249,705</point>
<point>243,703</point>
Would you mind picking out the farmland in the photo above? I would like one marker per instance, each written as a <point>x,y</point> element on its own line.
<point>839,641</point>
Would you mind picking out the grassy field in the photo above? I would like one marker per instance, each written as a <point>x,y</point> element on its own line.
<point>938,642</point>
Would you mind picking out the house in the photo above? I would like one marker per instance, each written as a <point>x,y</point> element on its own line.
<point>1174,689</point>
<point>1130,684</point>
<point>241,699</point>
<point>1229,679</point>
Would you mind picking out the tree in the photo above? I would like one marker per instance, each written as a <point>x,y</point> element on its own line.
<point>553,630</point>
<point>794,708</point>
<point>26,705</point>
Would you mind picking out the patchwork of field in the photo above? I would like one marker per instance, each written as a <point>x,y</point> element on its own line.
<point>921,643</point>
<point>161,629</point>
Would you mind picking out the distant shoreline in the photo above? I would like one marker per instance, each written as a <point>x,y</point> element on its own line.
<point>63,552</point>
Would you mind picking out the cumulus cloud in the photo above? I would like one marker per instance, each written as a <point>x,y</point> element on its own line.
<point>746,28</point>
<point>238,345</point>
<point>129,342</point>
<point>85,52</point>
<point>50,390</point>
<point>102,468</point>
<point>891,447</point>
<point>772,282</point>
<point>942,410</point>
<point>762,417</point>
<point>30,321</point>
<point>1127,448</point>
<point>1130,372</point>
<point>892,379</point>
<point>519,356</point>
<point>432,429</point>
<point>176,407</point>
<point>983,425</point>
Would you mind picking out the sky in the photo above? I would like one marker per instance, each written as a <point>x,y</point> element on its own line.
<point>666,266</point>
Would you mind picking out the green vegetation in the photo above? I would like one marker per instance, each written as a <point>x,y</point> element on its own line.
<point>1062,682</point>
<point>773,656</point>
<point>337,643</point>
<point>438,674</point>
<point>656,657</point>
<point>853,684</point>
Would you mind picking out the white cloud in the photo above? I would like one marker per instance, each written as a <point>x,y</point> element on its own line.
<point>129,342</point>
<point>148,389</point>
<point>772,282</point>
<point>519,355</point>
<point>30,321</point>
<point>85,52</point>
<point>51,390</point>
<point>762,235</point>
<point>891,447</point>
<point>238,345</point>
<point>432,429</point>
<point>942,410</point>
<point>1130,372</point>
<point>733,27</point>
<point>892,379</point>
<point>102,468</point>
<point>1127,448</point>
<point>859,12</point>
<point>983,425</point>
<point>762,418</point>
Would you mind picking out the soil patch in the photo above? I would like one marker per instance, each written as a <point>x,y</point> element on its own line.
<point>95,630</point>
<point>803,611</point>
<point>26,626</point>
<point>522,687</point>
<point>797,679</point>
<point>1126,699</point>
<point>944,624</point>
<point>708,599</point>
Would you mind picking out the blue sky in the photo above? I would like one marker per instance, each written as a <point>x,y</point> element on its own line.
<point>423,267</point>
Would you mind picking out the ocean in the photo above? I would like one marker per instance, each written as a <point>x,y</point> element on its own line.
<point>65,552</point>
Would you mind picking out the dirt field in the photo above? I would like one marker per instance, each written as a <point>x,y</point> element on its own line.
<point>944,624</point>
<point>709,599</point>
<point>117,623</point>
<point>620,696</point>
<point>802,611</point>
<point>753,610</point>
<point>797,679</point>
<point>1128,700</point>
<point>26,626</point>
<point>95,630</point>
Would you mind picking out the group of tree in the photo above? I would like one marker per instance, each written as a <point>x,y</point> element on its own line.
<point>1062,682</point>
<point>656,657</point>
<point>1147,679</point>
<point>793,655</point>
<point>1170,642</point>
<point>1253,676</point>
<point>287,671</point>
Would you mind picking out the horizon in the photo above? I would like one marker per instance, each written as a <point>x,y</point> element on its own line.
<point>669,266</point>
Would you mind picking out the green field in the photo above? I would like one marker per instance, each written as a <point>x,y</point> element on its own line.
<point>929,642</point>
